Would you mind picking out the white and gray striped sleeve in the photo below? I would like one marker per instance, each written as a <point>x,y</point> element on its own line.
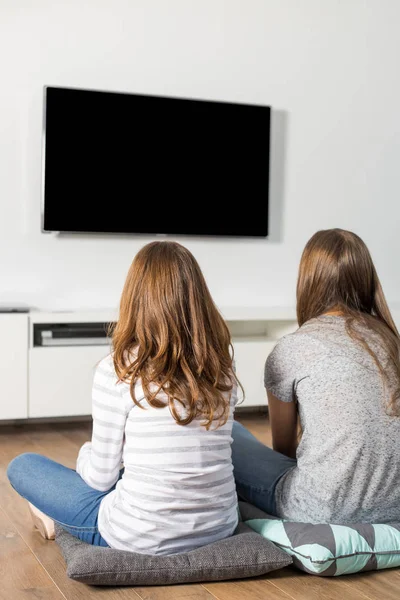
<point>99,461</point>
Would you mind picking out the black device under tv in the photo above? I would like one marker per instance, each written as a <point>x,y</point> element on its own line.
<point>129,163</point>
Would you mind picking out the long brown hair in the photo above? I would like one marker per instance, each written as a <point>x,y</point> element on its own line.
<point>172,338</point>
<point>337,274</point>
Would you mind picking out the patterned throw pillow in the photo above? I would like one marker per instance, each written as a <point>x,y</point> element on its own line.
<point>329,549</point>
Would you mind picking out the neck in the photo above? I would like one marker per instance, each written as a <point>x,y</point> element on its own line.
<point>334,313</point>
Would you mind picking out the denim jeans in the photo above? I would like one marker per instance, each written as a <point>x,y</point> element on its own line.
<point>60,493</point>
<point>257,469</point>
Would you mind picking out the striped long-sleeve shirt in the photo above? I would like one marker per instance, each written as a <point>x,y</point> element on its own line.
<point>177,491</point>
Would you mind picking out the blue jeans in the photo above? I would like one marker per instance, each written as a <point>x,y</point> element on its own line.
<point>60,493</point>
<point>257,469</point>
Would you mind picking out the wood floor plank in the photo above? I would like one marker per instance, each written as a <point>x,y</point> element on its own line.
<point>79,435</point>
<point>377,585</point>
<point>256,589</point>
<point>308,587</point>
<point>21,575</point>
<point>258,425</point>
<point>175,592</point>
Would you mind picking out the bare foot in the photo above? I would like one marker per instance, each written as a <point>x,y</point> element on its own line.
<point>42,522</point>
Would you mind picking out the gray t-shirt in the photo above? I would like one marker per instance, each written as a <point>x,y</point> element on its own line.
<point>348,460</point>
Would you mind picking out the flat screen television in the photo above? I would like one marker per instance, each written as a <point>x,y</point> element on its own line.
<point>129,163</point>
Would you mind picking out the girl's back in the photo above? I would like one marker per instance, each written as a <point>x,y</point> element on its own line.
<point>347,460</point>
<point>177,491</point>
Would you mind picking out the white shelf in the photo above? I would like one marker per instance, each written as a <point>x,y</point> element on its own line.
<point>92,316</point>
<point>56,381</point>
<point>230,313</point>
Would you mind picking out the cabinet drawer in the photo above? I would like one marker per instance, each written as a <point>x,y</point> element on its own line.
<point>60,380</point>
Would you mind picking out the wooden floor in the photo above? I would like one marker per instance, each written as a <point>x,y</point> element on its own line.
<point>30,567</point>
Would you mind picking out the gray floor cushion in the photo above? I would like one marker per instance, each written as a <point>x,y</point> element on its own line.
<point>245,554</point>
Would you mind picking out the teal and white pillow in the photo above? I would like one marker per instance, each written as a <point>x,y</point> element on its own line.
<point>329,549</point>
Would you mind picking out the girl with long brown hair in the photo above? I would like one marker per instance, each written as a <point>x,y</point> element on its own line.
<point>338,378</point>
<point>163,405</point>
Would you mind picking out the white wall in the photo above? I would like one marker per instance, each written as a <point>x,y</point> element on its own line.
<point>329,67</point>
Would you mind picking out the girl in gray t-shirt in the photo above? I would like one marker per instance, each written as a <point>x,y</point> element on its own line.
<point>338,378</point>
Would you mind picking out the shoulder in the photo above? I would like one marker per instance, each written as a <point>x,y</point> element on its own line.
<point>293,356</point>
<point>107,388</point>
<point>105,369</point>
<point>289,347</point>
<point>105,378</point>
<point>303,344</point>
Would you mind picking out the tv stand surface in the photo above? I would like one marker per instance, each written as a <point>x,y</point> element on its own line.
<point>57,379</point>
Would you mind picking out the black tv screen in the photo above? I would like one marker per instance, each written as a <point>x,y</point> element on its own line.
<point>128,163</point>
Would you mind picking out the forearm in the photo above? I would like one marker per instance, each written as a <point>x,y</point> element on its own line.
<point>284,425</point>
<point>99,461</point>
<point>288,449</point>
<point>96,470</point>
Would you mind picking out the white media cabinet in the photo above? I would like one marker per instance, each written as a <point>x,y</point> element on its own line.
<point>48,381</point>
